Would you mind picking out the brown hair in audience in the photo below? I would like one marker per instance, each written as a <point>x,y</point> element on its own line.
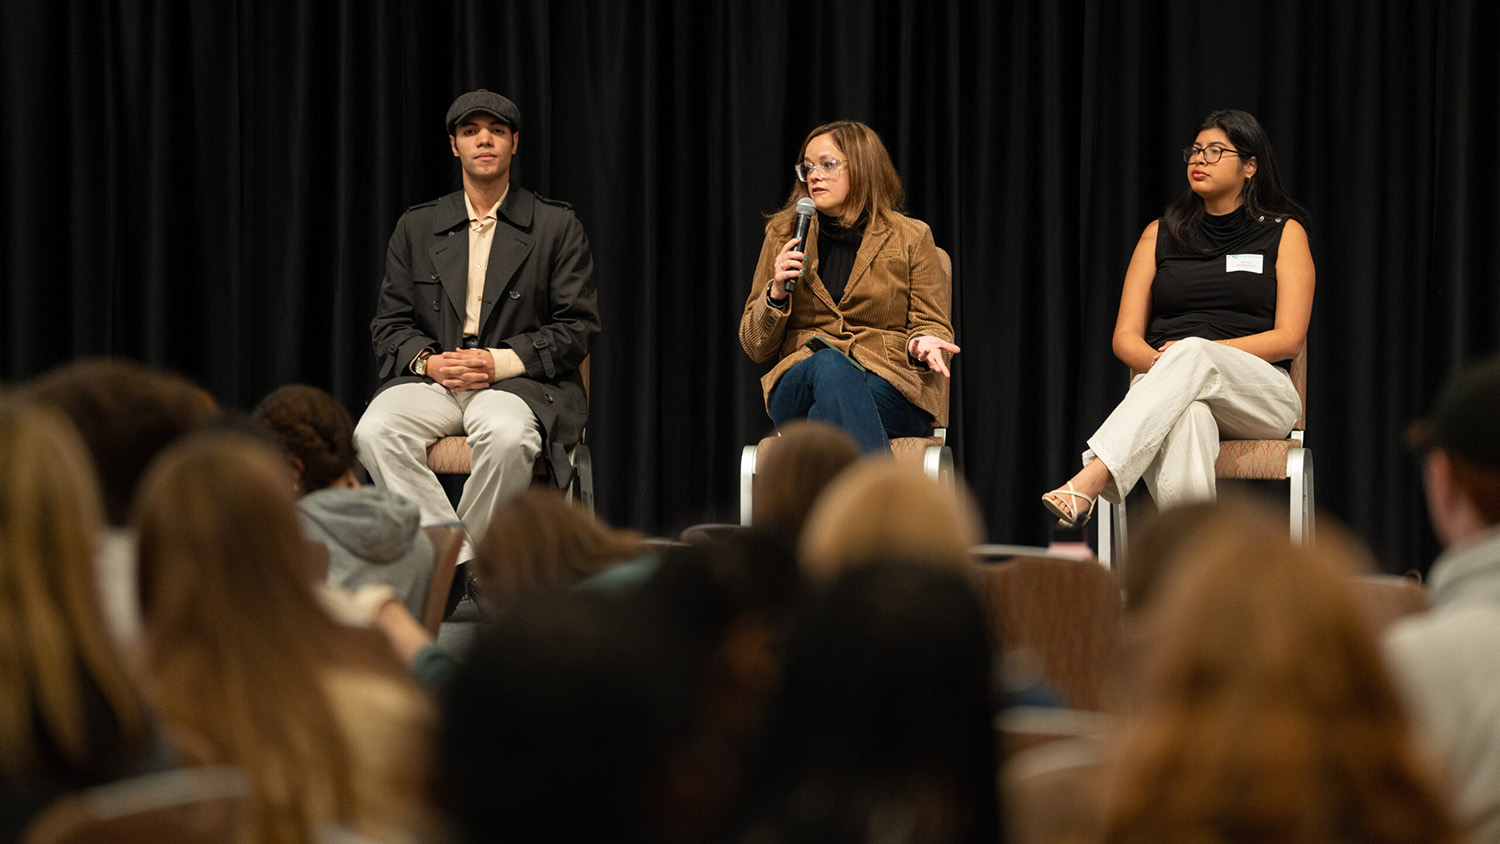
<point>540,540</point>
<point>1267,714</point>
<point>126,414</point>
<point>793,470</point>
<point>249,667</point>
<point>883,726</point>
<point>314,430</point>
<point>69,713</point>
<point>880,509</point>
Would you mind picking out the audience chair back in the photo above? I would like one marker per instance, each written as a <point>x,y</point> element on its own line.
<point>1064,613</point>
<point>453,456</point>
<point>446,542</point>
<point>1387,598</point>
<point>933,451</point>
<point>188,806</point>
<point>1242,460</point>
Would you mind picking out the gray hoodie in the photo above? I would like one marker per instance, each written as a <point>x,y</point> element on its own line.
<point>373,536</point>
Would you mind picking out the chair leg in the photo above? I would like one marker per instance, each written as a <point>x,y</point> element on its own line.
<point>937,463</point>
<point>583,477</point>
<point>1113,532</point>
<point>747,482</point>
<point>1299,472</point>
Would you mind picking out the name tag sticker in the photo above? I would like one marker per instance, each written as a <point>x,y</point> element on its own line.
<point>1244,263</point>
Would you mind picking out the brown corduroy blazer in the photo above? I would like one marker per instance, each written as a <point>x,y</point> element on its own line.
<point>896,291</point>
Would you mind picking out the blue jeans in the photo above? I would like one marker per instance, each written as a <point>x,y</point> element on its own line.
<point>828,387</point>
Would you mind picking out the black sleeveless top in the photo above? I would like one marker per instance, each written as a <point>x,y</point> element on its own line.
<point>1226,291</point>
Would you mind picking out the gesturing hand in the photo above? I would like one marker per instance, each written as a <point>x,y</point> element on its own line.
<point>926,349</point>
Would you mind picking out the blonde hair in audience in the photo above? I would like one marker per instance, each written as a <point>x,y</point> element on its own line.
<point>54,637</point>
<point>540,540</point>
<point>881,510</point>
<point>240,650</point>
<point>1267,714</point>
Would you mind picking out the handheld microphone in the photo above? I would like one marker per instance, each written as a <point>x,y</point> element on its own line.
<point>805,210</point>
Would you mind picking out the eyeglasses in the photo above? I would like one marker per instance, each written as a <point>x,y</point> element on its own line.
<point>829,166</point>
<point>1211,155</point>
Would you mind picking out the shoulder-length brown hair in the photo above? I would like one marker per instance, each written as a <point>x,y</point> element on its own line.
<point>540,540</point>
<point>1267,714</point>
<point>874,186</point>
<point>240,651</point>
<point>56,657</point>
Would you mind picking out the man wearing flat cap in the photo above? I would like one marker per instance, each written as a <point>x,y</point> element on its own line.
<point>487,310</point>
<point>1447,661</point>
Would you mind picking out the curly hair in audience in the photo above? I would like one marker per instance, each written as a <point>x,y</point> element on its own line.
<point>1267,714</point>
<point>314,430</point>
<point>243,657</point>
<point>68,709</point>
<point>540,540</point>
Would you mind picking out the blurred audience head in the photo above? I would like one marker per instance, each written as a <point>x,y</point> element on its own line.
<point>560,725</point>
<point>314,430</point>
<point>884,716</point>
<point>69,713</point>
<point>126,414</point>
<point>244,660</point>
<point>1266,712</point>
<point>880,509</point>
<point>540,540</point>
<point>793,470</point>
<point>1175,532</point>
<point>1461,444</point>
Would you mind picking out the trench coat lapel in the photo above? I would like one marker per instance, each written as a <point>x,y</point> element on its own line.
<point>508,251</point>
<point>450,250</point>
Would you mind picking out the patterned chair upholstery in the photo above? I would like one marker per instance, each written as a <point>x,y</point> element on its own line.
<point>1243,460</point>
<point>1063,615</point>
<point>933,452</point>
<point>452,456</point>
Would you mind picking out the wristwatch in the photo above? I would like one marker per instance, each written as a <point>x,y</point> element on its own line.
<point>420,365</point>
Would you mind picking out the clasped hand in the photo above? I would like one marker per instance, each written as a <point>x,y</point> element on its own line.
<point>463,369</point>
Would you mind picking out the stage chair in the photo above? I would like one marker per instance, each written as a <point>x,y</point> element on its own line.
<point>1241,460</point>
<point>207,805</point>
<point>1065,612</point>
<point>452,456</point>
<point>933,451</point>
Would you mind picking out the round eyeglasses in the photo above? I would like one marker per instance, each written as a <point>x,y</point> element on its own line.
<point>827,166</point>
<point>1211,155</point>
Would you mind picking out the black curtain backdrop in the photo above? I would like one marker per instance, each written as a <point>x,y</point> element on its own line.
<point>208,187</point>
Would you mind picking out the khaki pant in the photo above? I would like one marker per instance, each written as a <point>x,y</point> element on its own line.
<point>1166,430</point>
<point>395,431</point>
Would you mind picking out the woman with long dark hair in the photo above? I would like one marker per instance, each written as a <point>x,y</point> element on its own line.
<point>857,317</point>
<point>1215,305</point>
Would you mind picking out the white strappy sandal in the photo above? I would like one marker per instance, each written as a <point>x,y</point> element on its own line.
<point>1054,501</point>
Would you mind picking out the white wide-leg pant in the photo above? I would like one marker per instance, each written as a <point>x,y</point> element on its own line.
<point>1166,430</point>
<point>395,431</point>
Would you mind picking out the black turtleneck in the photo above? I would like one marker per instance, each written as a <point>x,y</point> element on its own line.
<point>836,249</point>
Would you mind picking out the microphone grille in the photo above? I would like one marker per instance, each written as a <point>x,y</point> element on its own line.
<point>806,207</point>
